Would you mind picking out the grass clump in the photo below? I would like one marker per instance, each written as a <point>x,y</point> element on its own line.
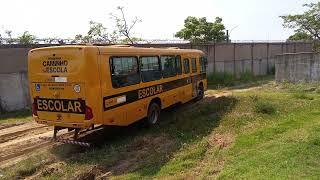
<point>247,77</point>
<point>16,116</point>
<point>224,79</point>
<point>221,79</point>
<point>264,107</point>
<point>304,96</point>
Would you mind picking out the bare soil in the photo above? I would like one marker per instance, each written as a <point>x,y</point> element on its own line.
<point>19,139</point>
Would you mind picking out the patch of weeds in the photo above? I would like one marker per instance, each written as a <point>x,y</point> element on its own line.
<point>317,91</point>
<point>21,115</point>
<point>27,168</point>
<point>301,95</point>
<point>221,79</point>
<point>264,107</point>
<point>310,89</point>
<point>247,77</point>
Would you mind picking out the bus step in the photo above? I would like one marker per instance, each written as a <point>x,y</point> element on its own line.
<point>65,141</point>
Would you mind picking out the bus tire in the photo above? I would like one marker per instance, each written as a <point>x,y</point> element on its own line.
<point>200,92</point>
<point>153,113</point>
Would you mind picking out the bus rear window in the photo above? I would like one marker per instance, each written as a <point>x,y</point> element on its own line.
<point>124,71</point>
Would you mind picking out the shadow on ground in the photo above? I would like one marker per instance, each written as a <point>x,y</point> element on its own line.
<point>145,151</point>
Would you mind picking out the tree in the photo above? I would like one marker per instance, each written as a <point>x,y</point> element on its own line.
<point>97,34</point>
<point>300,36</point>
<point>199,30</point>
<point>124,28</point>
<point>10,40</point>
<point>26,38</point>
<point>307,23</point>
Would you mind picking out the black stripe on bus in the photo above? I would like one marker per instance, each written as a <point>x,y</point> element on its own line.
<point>138,94</point>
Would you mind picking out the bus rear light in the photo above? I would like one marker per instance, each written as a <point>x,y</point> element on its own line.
<point>34,109</point>
<point>89,113</point>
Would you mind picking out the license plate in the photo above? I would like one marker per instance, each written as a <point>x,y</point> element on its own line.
<point>61,105</point>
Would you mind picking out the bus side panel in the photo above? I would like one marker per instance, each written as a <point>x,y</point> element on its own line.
<point>114,115</point>
<point>187,94</point>
<point>170,97</point>
<point>94,101</point>
<point>136,111</point>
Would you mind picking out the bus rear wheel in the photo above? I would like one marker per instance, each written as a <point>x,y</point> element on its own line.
<point>153,113</point>
<point>200,92</point>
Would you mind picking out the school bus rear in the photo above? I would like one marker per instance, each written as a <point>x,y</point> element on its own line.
<point>62,93</point>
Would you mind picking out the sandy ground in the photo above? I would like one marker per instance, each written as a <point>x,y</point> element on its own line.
<point>20,139</point>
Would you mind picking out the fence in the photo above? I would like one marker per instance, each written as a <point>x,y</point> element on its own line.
<point>232,58</point>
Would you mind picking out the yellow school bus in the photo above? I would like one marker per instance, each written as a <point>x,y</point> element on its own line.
<point>77,87</point>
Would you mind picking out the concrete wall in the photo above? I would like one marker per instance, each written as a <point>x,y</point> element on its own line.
<point>236,59</point>
<point>14,91</point>
<point>296,67</point>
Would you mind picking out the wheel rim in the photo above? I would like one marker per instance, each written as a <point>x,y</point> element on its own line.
<point>200,92</point>
<point>154,116</point>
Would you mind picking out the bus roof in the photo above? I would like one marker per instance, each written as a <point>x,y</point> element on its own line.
<point>127,49</point>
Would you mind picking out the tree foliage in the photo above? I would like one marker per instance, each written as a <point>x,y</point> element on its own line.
<point>122,34</point>
<point>97,34</point>
<point>307,23</point>
<point>9,36</point>
<point>300,36</point>
<point>26,38</point>
<point>124,28</point>
<point>199,30</point>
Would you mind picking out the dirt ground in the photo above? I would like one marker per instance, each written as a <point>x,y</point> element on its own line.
<point>19,139</point>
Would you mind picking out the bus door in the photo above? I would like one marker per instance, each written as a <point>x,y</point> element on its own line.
<point>188,90</point>
<point>194,77</point>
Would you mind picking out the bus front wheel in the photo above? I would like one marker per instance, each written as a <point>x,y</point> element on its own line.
<point>153,113</point>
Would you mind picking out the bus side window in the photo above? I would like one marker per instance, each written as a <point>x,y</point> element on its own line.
<point>124,71</point>
<point>186,66</point>
<point>178,64</point>
<point>194,65</point>
<point>150,68</point>
<point>168,64</point>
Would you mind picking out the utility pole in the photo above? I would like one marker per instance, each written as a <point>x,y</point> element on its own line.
<point>229,32</point>
<point>227,36</point>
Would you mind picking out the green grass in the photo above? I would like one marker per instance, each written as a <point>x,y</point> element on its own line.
<point>16,116</point>
<point>271,132</point>
<point>222,79</point>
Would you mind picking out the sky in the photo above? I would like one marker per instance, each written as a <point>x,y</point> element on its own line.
<point>161,19</point>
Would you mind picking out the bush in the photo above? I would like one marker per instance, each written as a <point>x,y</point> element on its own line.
<point>264,107</point>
